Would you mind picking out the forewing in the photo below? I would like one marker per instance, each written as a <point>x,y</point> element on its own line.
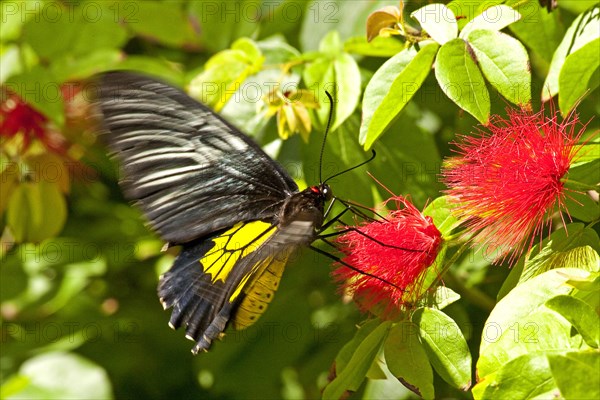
<point>191,172</point>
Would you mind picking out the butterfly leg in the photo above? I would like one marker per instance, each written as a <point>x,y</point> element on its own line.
<point>352,229</point>
<point>339,260</point>
<point>348,207</point>
<point>355,208</point>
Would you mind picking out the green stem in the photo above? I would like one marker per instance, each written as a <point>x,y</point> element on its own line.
<point>22,59</point>
<point>591,224</point>
<point>519,4</point>
<point>449,263</point>
<point>474,295</point>
<point>455,238</point>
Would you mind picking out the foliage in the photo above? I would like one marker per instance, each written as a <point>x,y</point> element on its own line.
<point>80,317</point>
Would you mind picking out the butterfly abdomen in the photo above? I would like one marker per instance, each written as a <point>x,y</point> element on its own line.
<point>260,293</point>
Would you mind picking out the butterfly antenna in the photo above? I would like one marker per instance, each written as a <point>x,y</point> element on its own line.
<point>325,136</point>
<point>373,154</point>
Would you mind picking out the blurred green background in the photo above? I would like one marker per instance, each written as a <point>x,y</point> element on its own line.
<point>80,314</point>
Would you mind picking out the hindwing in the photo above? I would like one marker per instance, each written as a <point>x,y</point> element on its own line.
<point>231,276</point>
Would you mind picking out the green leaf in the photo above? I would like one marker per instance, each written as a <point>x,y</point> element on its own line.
<point>221,23</point>
<point>331,44</point>
<point>347,95</point>
<point>391,88</point>
<point>224,73</point>
<point>585,153</point>
<point>572,247</point>
<point>587,173</point>
<point>389,388</point>
<point>581,315</point>
<point>440,210</point>
<point>445,345</point>
<point>250,48</point>
<point>354,373</point>
<point>345,354</point>
<point>581,205</point>
<point>461,80</point>
<point>243,112</point>
<point>39,165</point>
<point>61,375</point>
<point>149,20</point>
<point>40,88</point>
<point>10,60</point>
<point>83,28</point>
<point>319,76</point>
<point>70,68</point>
<point>521,324</point>
<point>9,177</point>
<point>505,64</point>
<point>336,72</point>
<point>378,47</point>
<point>438,21</point>
<point>444,296</point>
<point>582,64</point>
<point>322,17</point>
<point>587,285</point>
<point>32,219</point>
<point>583,30</point>
<point>538,30</point>
<point>35,33</point>
<point>493,19</point>
<point>512,280</point>
<point>577,6</point>
<point>277,51</point>
<point>467,10</point>
<point>98,32</point>
<point>408,162</point>
<point>525,377</point>
<point>576,374</point>
<point>407,360</point>
<point>13,17</point>
<point>441,297</point>
<point>154,66</point>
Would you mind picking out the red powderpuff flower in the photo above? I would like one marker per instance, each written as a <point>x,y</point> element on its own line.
<point>16,116</point>
<point>507,180</point>
<point>395,250</point>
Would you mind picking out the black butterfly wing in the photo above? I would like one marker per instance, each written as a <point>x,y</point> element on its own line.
<point>231,276</point>
<point>191,172</point>
<point>203,184</point>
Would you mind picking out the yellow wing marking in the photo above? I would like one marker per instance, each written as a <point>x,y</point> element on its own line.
<point>261,292</point>
<point>237,242</point>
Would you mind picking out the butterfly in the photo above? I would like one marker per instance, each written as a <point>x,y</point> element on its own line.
<point>204,185</point>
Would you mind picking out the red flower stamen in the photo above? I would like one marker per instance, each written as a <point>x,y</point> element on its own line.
<point>507,180</point>
<point>17,117</point>
<point>411,243</point>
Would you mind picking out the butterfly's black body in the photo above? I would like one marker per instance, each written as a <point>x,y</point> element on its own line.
<point>203,184</point>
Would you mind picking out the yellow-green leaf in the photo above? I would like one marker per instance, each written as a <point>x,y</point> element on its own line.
<point>505,64</point>
<point>438,21</point>
<point>575,79</point>
<point>407,360</point>
<point>391,88</point>
<point>461,80</point>
<point>36,211</point>
<point>445,345</point>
